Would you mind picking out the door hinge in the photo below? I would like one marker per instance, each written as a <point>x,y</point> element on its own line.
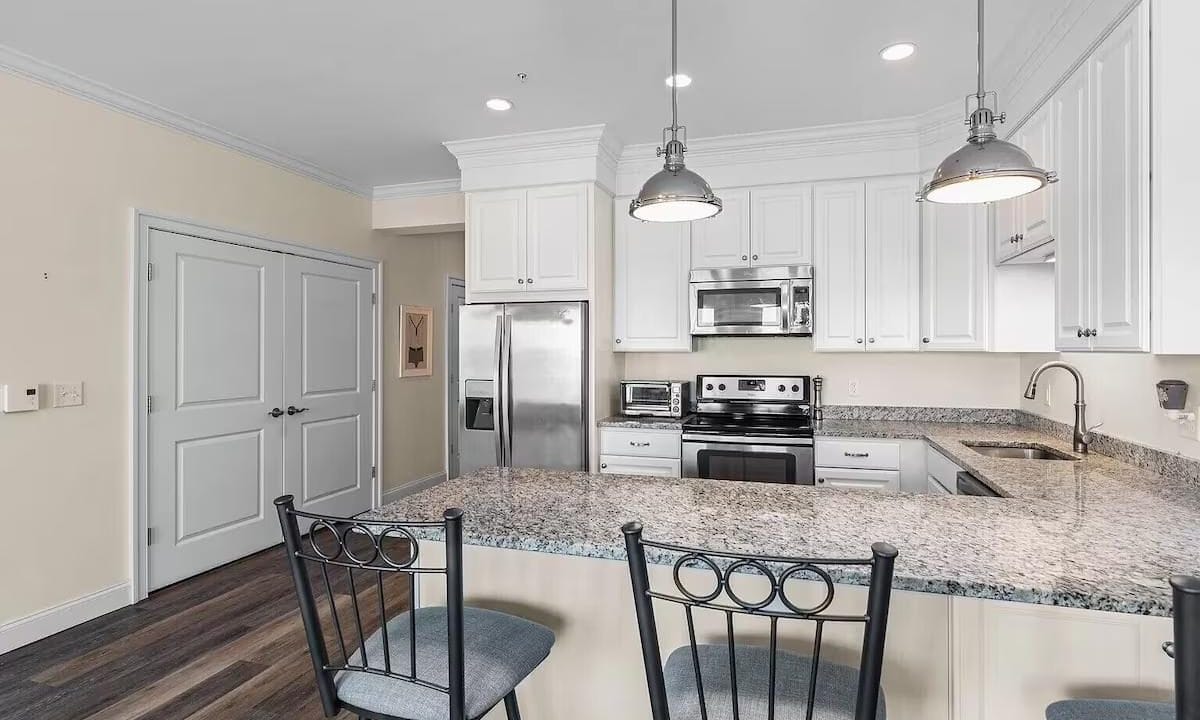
<point>149,404</point>
<point>374,384</point>
<point>149,536</point>
<point>372,471</point>
<point>149,272</point>
<point>373,298</point>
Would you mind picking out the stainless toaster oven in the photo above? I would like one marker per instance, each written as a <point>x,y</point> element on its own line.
<point>656,398</point>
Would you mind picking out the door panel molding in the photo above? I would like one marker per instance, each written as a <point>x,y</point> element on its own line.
<point>143,223</point>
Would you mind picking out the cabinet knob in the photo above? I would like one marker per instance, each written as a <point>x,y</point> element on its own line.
<point>743,257</point>
<point>618,341</point>
<point>530,281</point>
<point>925,340</point>
<point>1079,332</point>
<point>871,340</point>
<point>820,480</point>
<point>753,257</point>
<point>520,281</point>
<point>859,341</point>
<point>603,466</point>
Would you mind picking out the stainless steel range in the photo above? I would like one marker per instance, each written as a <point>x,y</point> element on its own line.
<point>756,428</point>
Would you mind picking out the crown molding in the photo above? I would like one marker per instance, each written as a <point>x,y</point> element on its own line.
<point>588,153</point>
<point>53,76</point>
<point>423,188</point>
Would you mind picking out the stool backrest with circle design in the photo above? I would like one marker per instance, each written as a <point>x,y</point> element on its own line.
<point>377,552</point>
<point>775,606</point>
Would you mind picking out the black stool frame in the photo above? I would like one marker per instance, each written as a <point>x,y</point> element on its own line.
<point>1185,591</point>
<point>301,553</point>
<point>881,563</point>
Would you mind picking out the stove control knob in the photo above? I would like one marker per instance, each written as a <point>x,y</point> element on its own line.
<point>795,388</point>
<point>721,386</point>
<point>782,388</point>
<point>708,386</point>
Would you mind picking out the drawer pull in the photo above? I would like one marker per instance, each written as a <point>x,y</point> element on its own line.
<point>857,454</point>
<point>635,443</point>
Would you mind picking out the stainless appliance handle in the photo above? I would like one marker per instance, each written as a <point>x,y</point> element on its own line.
<point>506,368</point>
<point>785,299</point>
<point>498,392</point>
<point>723,439</point>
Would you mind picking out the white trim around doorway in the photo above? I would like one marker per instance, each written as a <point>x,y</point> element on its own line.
<point>142,223</point>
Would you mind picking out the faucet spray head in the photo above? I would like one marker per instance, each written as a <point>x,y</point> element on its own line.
<point>1031,390</point>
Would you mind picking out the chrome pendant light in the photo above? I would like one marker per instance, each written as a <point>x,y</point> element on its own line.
<point>987,168</point>
<point>674,194</point>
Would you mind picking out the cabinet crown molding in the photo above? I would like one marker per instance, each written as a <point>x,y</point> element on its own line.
<point>587,153</point>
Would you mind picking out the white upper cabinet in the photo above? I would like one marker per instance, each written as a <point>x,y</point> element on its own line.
<point>839,240</point>
<point>557,245</point>
<point>496,241</point>
<point>1103,250</point>
<point>529,241</point>
<point>781,224</point>
<point>650,290</point>
<point>954,277</point>
<point>893,264</point>
<point>1027,222</point>
<point>1004,228</point>
<point>723,241</point>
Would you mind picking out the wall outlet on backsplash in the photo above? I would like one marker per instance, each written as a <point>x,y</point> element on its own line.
<point>852,388</point>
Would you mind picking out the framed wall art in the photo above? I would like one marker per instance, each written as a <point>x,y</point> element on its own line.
<point>416,341</point>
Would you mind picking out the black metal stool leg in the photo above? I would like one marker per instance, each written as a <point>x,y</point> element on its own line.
<point>510,706</point>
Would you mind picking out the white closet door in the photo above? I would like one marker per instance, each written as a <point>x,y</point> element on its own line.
<point>328,372</point>
<point>215,374</point>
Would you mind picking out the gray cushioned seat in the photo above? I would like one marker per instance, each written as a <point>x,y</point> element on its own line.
<point>1109,710</point>
<point>837,685</point>
<point>500,651</point>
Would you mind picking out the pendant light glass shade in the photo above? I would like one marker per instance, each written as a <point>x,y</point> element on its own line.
<point>674,194</point>
<point>986,169</point>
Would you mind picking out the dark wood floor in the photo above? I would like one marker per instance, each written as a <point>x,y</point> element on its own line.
<point>226,645</point>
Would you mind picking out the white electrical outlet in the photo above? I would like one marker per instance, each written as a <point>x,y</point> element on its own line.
<point>68,394</point>
<point>852,389</point>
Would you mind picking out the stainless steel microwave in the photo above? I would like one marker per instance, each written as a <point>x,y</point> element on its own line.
<point>752,301</point>
<point>656,398</point>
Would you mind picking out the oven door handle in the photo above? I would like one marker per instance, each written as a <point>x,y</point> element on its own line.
<point>722,439</point>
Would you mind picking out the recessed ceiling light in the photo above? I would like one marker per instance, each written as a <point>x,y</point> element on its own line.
<point>898,51</point>
<point>499,104</point>
<point>679,80</point>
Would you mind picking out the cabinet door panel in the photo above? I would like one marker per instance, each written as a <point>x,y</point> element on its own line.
<point>650,285</point>
<point>1120,315</point>
<point>1037,208</point>
<point>496,241</point>
<point>1072,273</point>
<point>838,266</point>
<point>1004,229</point>
<point>723,241</point>
<point>954,278</point>
<point>781,225</point>
<point>893,264</point>
<point>557,248</point>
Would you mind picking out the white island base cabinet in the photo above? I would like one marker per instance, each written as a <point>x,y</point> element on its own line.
<point>946,658</point>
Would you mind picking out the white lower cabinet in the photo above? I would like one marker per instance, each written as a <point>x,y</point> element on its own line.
<point>884,465</point>
<point>848,479</point>
<point>942,471</point>
<point>637,451</point>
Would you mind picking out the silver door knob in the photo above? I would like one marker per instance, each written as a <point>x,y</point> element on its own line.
<point>520,281</point>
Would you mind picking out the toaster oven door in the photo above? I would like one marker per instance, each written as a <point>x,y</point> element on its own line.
<point>741,307</point>
<point>645,398</point>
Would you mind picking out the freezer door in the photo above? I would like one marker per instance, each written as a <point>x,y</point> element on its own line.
<point>480,417</point>
<point>547,374</point>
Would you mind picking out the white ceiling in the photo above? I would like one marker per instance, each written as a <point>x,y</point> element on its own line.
<point>369,89</point>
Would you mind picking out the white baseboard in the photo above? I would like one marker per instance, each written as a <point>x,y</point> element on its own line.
<point>43,624</point>
<point>413,487</point>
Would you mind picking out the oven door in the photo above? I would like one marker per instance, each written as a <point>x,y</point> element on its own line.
<point>786,461</point>
<point>646,398</point>
<point>741,307</point>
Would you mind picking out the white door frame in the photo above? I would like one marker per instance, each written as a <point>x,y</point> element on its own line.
<point>451,414</point>
<point>142,223</point>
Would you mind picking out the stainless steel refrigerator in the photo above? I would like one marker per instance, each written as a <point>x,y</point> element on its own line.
<point>523,396</point>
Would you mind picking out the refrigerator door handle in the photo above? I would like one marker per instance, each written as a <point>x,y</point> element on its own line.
<point>498,415</point>
<point>506,380</point>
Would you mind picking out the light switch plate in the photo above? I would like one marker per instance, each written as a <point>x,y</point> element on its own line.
<point>22,397</point>
<point>68,394</point>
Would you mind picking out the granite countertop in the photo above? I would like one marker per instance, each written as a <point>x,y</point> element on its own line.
<point>643,423</point>
<point>1095,533</point>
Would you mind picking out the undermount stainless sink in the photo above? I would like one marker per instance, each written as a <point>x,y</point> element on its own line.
<point>1019,452</point>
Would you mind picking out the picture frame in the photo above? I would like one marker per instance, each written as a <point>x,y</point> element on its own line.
<point>415,341</point>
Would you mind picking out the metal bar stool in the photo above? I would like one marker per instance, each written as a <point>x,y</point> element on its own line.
<point>734,681</point>
<point>415,665</point>
<point>1185,597</point>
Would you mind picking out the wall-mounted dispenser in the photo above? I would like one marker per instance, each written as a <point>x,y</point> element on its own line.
<point>1172,398</point>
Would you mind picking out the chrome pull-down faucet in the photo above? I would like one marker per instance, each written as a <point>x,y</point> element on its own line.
<point>1081,436</point>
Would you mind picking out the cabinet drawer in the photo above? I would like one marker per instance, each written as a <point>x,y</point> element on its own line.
<point>878,480</point>
<point>659,467</point>
<point>640,443</point>
<point>868,454</point>
<point>942,469</point>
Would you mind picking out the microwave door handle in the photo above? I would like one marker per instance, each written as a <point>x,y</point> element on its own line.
<point>785,299</point>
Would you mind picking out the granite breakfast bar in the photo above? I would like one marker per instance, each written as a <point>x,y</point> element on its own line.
<point>1072,562</point>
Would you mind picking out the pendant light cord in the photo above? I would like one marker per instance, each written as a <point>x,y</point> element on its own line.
<point>979,93</point>
<point>675,69</point>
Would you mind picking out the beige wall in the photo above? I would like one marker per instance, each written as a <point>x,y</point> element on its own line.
<point>70,173</point>
<point>413,416</point>
<point>1120,393</point>
<point>933,379</point>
